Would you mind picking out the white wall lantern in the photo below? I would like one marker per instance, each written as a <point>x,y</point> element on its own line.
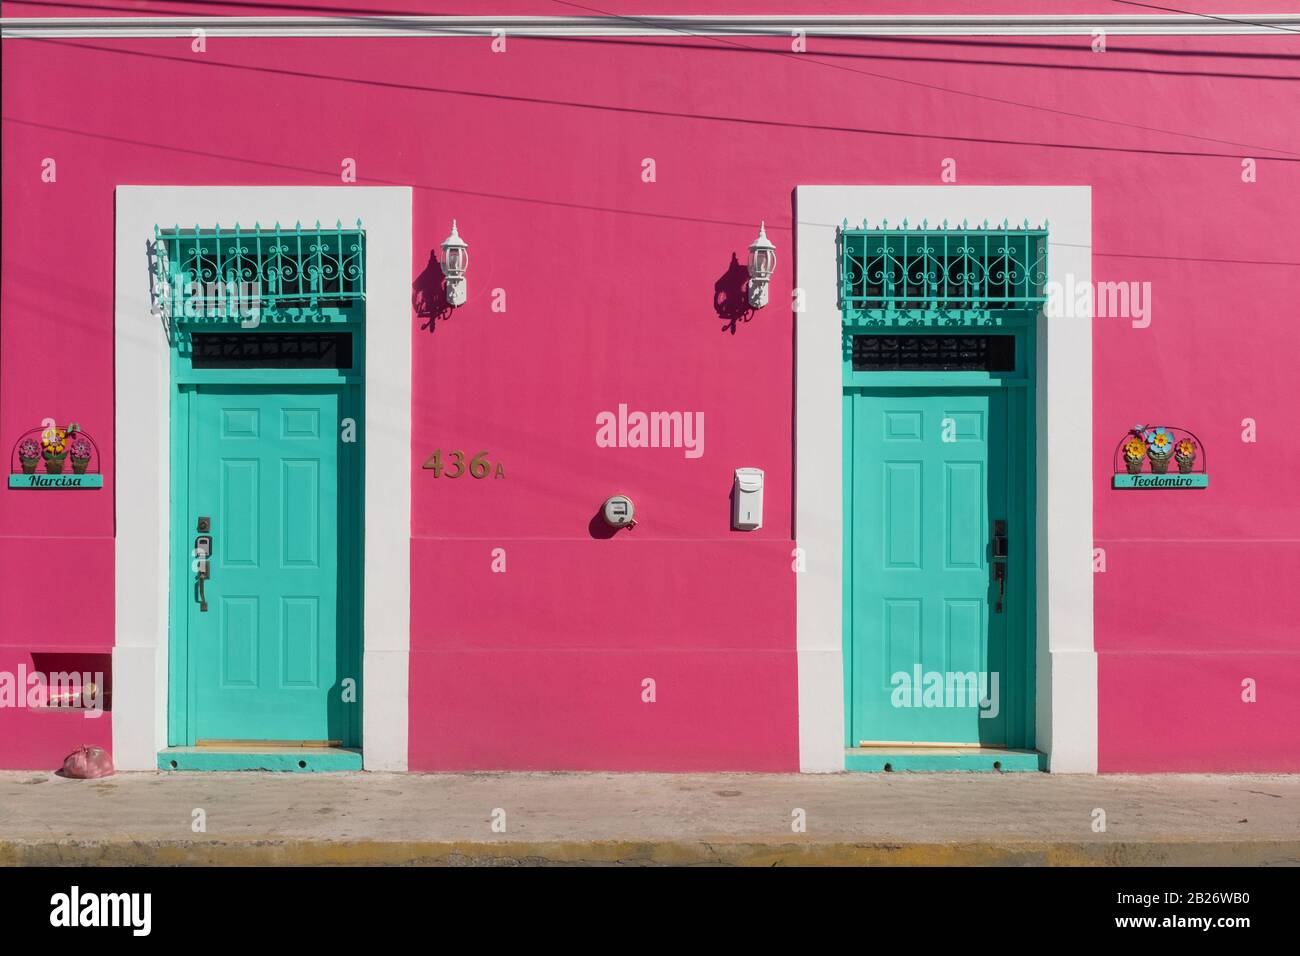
<point>762,262</point>
<point>455,260</point>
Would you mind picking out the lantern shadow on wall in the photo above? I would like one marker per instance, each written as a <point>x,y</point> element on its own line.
<point>429,293</point>
<point>731,296</point>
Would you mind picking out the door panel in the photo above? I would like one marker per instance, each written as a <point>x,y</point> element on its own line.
<point>268,658</point>
<point>926,474</point>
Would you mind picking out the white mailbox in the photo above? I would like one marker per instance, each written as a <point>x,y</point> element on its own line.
<point>747,500</point>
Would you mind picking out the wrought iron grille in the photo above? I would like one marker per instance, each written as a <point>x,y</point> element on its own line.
<point>271,350</point>
<point>226,273</point>
<point>942,270</point>
<point>934,353</point>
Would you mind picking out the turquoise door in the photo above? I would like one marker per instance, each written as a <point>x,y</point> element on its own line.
<point>274,655</point>
<point>931,657</point>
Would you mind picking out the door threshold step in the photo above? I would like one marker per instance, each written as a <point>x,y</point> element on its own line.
<point>942,759</point>
<point>279,759</point>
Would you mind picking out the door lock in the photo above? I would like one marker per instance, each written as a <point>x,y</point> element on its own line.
<point>203,560</point>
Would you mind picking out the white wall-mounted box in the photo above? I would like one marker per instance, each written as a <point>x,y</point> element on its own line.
<point>747,500</point>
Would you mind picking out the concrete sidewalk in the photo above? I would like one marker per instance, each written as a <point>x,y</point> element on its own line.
<point>602,818</point>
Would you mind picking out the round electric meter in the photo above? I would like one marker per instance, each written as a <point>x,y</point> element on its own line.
<point>619,512</point>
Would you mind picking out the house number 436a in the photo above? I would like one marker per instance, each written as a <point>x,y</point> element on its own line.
<point>456,465</point>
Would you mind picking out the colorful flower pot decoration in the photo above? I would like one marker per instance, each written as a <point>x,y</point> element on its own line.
<point>1159,444</point>
<point>80,451</point>
<point>29,453</point>
<point>54,444</point>
<point>1135,449</point>
<point>1160,448</point>
<point>54,449</point>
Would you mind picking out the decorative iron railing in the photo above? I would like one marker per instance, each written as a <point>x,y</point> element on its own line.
<point>219,273</point>
<point>948,269</point>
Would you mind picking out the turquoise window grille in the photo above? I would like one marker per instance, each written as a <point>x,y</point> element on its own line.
<point>220,273</point>
<point>886,271</point>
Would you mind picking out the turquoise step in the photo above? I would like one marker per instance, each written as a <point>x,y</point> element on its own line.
<point>940,759</point>
<point>280,759</point>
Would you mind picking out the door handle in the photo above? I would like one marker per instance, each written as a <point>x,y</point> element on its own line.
<point>203,562</point>
<point>999,562</point>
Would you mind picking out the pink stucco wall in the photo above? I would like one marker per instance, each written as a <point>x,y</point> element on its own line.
<point>609,284</point>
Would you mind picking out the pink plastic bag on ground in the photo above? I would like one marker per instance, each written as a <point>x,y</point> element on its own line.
<point>87,763</point>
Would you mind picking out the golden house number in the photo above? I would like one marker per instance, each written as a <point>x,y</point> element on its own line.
<point>456,465</point>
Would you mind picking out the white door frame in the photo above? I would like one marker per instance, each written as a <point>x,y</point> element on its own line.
<point>1066,662</point>
<point>142,456</point>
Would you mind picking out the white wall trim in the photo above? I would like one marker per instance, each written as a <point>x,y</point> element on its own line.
<point>141,481</point>
<point>1066,678</point>
<point>652,25</point>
